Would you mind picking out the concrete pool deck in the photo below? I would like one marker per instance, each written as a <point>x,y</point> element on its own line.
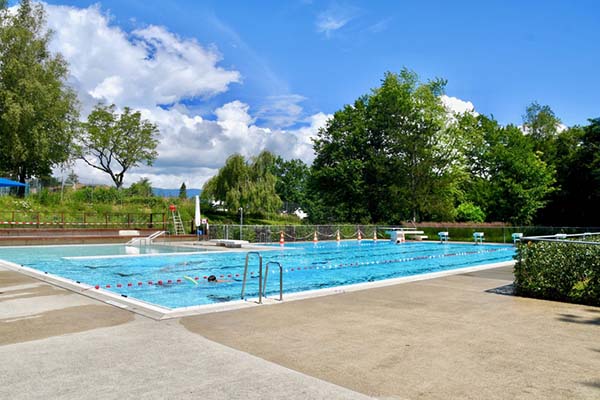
<point>451,337</point>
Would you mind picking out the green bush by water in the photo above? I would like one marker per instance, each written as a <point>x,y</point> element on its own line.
<point>559,271</point>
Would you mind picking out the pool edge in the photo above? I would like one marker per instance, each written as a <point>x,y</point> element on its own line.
<point>163,313</point>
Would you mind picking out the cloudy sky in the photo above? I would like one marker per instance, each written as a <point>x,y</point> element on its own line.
<point>220,77</point>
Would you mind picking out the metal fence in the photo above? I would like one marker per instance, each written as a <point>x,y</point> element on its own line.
<point>293,233</point>
<point>32,219</point>
<point>587,237</point>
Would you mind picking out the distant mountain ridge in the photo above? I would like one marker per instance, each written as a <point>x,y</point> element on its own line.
<point>159,192</point>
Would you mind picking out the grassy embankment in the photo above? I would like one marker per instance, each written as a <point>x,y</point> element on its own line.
<point>116,207</point>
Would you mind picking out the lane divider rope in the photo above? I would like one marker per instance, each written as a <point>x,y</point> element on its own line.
<point>169,282</point>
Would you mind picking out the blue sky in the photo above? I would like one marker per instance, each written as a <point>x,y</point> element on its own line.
<point>224,77</point>
<point>500,55</point>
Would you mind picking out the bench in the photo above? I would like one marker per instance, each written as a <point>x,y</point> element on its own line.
<point>129,233</point>
<point>230,244</point>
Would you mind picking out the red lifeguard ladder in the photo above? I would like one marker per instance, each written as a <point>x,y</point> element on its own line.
<point>177,223</point>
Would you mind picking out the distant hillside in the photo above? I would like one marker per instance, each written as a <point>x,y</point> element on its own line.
<point>174,192</point>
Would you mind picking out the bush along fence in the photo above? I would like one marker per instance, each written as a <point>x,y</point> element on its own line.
<point>456,232</point>
<point>566,268</point>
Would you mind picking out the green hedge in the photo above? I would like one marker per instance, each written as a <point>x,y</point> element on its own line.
<point>559,271</point>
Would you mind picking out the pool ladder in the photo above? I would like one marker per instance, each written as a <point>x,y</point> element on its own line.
<point>262,285</point>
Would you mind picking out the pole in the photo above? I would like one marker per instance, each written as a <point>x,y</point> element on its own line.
<point>241,221</point>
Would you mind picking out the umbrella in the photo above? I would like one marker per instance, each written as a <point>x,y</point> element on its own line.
<point>197,218</point>
<point>8,183</point>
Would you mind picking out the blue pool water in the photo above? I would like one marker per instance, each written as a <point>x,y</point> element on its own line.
<point>306,266</point>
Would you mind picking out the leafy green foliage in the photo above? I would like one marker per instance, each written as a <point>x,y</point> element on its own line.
<point>577,163</point>
<point>250,186</point>
<point>183,191</point>
<point>559,271</point>
<point>114,143</point>
<point>393,155</point>
<point>291,184</point>
<point>141,188</point>
<point>38,112</point>
<point>468,212</point>
<point>507,177</point>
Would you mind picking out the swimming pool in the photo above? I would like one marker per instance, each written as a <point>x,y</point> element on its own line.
<point>175,277</point>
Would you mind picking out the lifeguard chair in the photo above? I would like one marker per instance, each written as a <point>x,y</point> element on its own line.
<point>516,237</point>
<point>177,223</point>
<point>444,236</point>
<point>478,237</point>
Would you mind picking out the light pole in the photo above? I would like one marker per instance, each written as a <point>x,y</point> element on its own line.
<point>241,221</point>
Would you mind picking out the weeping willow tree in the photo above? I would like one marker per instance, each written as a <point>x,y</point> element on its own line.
<point>246,184</point>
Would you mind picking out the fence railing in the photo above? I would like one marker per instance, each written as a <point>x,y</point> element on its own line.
<point>32,219</point>
<point>271,233</point>
<point>591,238</point>
<point>293,233</point>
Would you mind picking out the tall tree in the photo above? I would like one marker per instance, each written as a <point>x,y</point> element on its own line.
<point>337,179</point>
<point>250,185</point>
<point>543,126</point>
<point>392,156</point>
<point>142,188</point>
<point>566,205</point>
<point>580,176</point>
<point>183,191</point>
<point>114,143</point>
<point>38,112</point>
<point>262,196</point>
<point>508,179</point>
<point>291,184</point>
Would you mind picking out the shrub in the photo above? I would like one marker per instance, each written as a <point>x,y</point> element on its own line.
<point>469,212</point>
<point>559,271</point>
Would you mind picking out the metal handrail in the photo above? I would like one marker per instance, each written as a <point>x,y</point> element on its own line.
<point>260,290</point>
<point>280,279</point>
<point>562,238</point>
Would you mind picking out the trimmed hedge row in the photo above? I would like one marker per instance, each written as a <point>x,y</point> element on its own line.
<point>567,272</point>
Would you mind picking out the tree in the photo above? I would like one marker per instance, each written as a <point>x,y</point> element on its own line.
<point>142,188</point>
<point>261,195</point>
<point>291,184</point>
<point>250,185</point>
<point>393,155</point>
<point>183,191</point>
<point>578,174</point>
<point>543,126</point>
<point>72,179</point>
<point>38,112</point>
<point>114,143</point>
<point>337,182</point>
<point>508,179</point>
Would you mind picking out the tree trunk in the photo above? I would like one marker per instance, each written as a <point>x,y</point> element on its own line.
<point>22,176</point>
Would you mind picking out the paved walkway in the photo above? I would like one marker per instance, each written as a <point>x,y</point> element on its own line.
<point>55,344</point>
<point>445,338</point>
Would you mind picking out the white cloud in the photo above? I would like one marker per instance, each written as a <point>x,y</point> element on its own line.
<point>334,18</point>
<point>152,66</point>
<point>192,148</point>
<point>281,111</point>
<point>458,106</point>
<point>145,67</point>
